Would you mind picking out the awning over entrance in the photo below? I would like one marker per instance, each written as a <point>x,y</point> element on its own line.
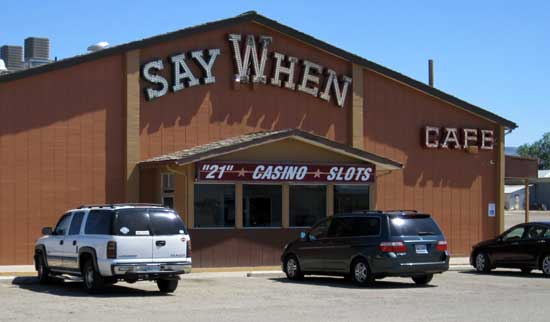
<point>247,141</point>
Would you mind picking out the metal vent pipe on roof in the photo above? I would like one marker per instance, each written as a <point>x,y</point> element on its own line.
<point>431,72</point>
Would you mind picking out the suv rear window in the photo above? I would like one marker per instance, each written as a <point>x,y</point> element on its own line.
<point>418,225</point>
<point>99,222</point>
<point>132,222</point>
<point>166,223</point>
<point>147,222</point>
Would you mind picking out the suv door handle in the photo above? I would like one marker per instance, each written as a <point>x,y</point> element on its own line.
<point>160,243</point>
<point>61,242</point>
<point>74,242</point>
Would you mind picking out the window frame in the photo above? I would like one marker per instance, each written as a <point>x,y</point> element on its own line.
<point>280,184</point>
<point>195,209</point>
<point>81,223</point>
<point>168,193</point>
<point>324,185</point>
<point>329,220</point>
<point>68,214</point>
<point>358,236</point>
<point>370,190</point>
<point>522,237</point>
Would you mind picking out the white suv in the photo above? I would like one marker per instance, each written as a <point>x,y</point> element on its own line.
<point>106,243</point>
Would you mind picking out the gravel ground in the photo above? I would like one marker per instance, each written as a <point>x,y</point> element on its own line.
<point>453,296</point>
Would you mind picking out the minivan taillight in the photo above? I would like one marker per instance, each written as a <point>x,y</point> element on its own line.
<point>189,250</point>
<point>441,246</point>
<point>393,247</point>
<point>111,249</point>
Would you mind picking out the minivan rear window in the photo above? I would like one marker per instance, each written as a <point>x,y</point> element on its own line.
<point>422,225</point>
<point>354,227</point>
<point>148,222</point>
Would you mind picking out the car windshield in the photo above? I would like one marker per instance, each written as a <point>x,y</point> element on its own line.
<point>420,225</point>
<point>147,222</point>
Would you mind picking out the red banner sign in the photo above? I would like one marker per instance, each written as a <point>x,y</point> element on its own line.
<point>272,172</point>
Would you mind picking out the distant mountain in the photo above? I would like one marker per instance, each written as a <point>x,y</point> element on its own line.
<point>511,150</point>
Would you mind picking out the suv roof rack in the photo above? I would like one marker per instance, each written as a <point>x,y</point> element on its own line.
<point>403,210</point>
<point>113,205</point>
<point>358,212</point>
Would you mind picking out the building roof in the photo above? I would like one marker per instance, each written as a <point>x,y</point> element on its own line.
<point>242,142</point>
<point>252,16</point>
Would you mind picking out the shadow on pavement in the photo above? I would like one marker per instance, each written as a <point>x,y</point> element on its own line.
<point>76,289</point>
<point>507,273</point>
<point>346,283</point>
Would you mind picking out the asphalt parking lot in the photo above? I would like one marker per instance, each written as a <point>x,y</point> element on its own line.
<point>453,296</point>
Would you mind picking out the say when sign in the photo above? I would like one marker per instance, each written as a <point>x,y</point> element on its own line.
<point>251,56</point>
<point>273,172</point>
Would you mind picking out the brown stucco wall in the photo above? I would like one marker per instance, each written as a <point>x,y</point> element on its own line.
<point>60,146</point>
<point>62,143</point>
<point>453,185</point>
<point>209,113</point>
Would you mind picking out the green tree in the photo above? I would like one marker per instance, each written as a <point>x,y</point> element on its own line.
<point>540,149</point>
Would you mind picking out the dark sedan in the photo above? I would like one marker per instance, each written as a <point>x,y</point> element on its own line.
<point>525,246</point>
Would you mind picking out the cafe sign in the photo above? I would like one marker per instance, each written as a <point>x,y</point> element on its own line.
<point>435,137</point>
<point>287,172</point>
<point>250,57</point>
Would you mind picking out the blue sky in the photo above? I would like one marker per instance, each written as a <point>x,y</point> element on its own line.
<point>494,54</point>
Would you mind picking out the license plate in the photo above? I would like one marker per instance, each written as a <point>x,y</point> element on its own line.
<point>421,249</point>
<point>149,268</point>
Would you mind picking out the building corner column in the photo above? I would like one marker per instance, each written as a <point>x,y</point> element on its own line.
<point>330,200</point>
<point>285,220</point>
<point>500,180</point>
<point>356,115</point>
<point>131,116</point>
<point>239,205</point>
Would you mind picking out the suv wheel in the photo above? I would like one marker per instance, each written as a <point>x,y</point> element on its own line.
<point>167,286</point>
<point>93,282</point>
<point>545,265</point>
<point>423,279</point>
<point>43,271</point>
<point>482,264</point>
<point>361,273</point>
<point>292,268</point>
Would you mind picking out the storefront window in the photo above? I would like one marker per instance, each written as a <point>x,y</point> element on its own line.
<point>308,205</point>
<point>348,198</point>
<point>214,205</point>
<point>262,205</point>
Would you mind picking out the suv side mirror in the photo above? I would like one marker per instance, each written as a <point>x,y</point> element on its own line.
<point>47,231</point>
<point>303,235</point>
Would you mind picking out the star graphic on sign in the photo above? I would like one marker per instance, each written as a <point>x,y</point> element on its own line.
<point>317,174</point>
<point>241,172</point>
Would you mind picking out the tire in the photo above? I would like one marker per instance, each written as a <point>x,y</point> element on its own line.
<point>481,263</point>
<point>43,270</point>
<point>526,270</point>
<point>93,281</point>
<point>292,268</point>
<point>545,265</point>
<point>361,273</point>
<point>423,279</point>
<point>167,286</point>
